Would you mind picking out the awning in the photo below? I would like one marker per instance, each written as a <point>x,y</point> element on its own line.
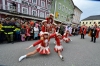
<point>21,16</point>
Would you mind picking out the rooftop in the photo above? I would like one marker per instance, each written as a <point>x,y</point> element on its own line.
<point>94,17</point>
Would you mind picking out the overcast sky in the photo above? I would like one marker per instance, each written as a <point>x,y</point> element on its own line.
<point>88,7</point>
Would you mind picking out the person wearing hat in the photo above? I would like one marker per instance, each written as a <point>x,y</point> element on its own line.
<point>58,46</point>
<point>43,46</point>
<point>44,26</point>
<point>65,36</point>
<point>50,21</point>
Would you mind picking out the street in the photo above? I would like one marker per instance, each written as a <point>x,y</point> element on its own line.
<point>79,52</point>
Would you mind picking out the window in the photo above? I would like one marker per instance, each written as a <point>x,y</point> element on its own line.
<point>98,22</point>
<point>59,6</point>
<point>49,6</point>
<point>25,10</point>
<point>34,13</point>
<point>42,3</point>
<point>12,6</point>
<point>63,8</point>
<point>42,14</point>
<point>62,16</point>
<point>34,1</point>
<point>83,22</point>
<point>90,22</point>
<point>86,22</point>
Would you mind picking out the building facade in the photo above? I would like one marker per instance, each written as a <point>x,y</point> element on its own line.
<point>63,10</point>
<point>33,9</point>
<point>77,15</point>
<point>91,20</point>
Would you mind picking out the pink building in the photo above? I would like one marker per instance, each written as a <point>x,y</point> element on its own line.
<point>31,9</point>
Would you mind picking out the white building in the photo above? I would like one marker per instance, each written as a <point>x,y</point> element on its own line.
<point>77,15</point>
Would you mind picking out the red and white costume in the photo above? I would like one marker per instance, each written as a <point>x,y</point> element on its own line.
<point>65,37</point>
<point>58,46</point>
<point>43,45</point>
<point>53,28</point>
<point>49,22</point>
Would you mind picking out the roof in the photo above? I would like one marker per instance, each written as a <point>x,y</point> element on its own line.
<point>94,17</point>
<point>78,8</point>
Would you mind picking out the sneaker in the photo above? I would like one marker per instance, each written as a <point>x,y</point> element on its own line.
<point>21,58</point>
<point>62,58</point>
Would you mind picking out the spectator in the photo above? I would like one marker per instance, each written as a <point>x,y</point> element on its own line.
<point>61,29</point>
<point>8,28</point>
<point>1,33</point>
<point>23,32</point>
<point>36,31</point>
<point>28,33</point>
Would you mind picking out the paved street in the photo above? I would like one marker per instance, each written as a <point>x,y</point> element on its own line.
<point>79,52</point>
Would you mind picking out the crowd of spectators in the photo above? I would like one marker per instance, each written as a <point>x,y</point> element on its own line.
<point>13,30</point>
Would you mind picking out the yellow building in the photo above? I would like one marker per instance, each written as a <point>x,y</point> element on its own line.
<point>91,20</point>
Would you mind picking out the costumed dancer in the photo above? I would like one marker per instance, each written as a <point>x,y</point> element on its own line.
<point>43,46</point>
<point>58,47</point>
<point>43,28</point>
<point>65,36</point>
<point>94,33</point>
<point>82,32</point>
<point>54,26</point>
<point>50,20</point>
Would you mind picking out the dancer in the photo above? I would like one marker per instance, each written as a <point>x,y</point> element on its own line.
<point>50,21</point>
<point>43,46</point>
<point>54,26</point>
<point>58,47</point>
<point>65,36</point>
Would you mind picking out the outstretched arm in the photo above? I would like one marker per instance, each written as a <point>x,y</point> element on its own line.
<point>36,43</point>
<point>52,35</point>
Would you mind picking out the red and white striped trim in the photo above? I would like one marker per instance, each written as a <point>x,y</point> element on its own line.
<point>43,50</point>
